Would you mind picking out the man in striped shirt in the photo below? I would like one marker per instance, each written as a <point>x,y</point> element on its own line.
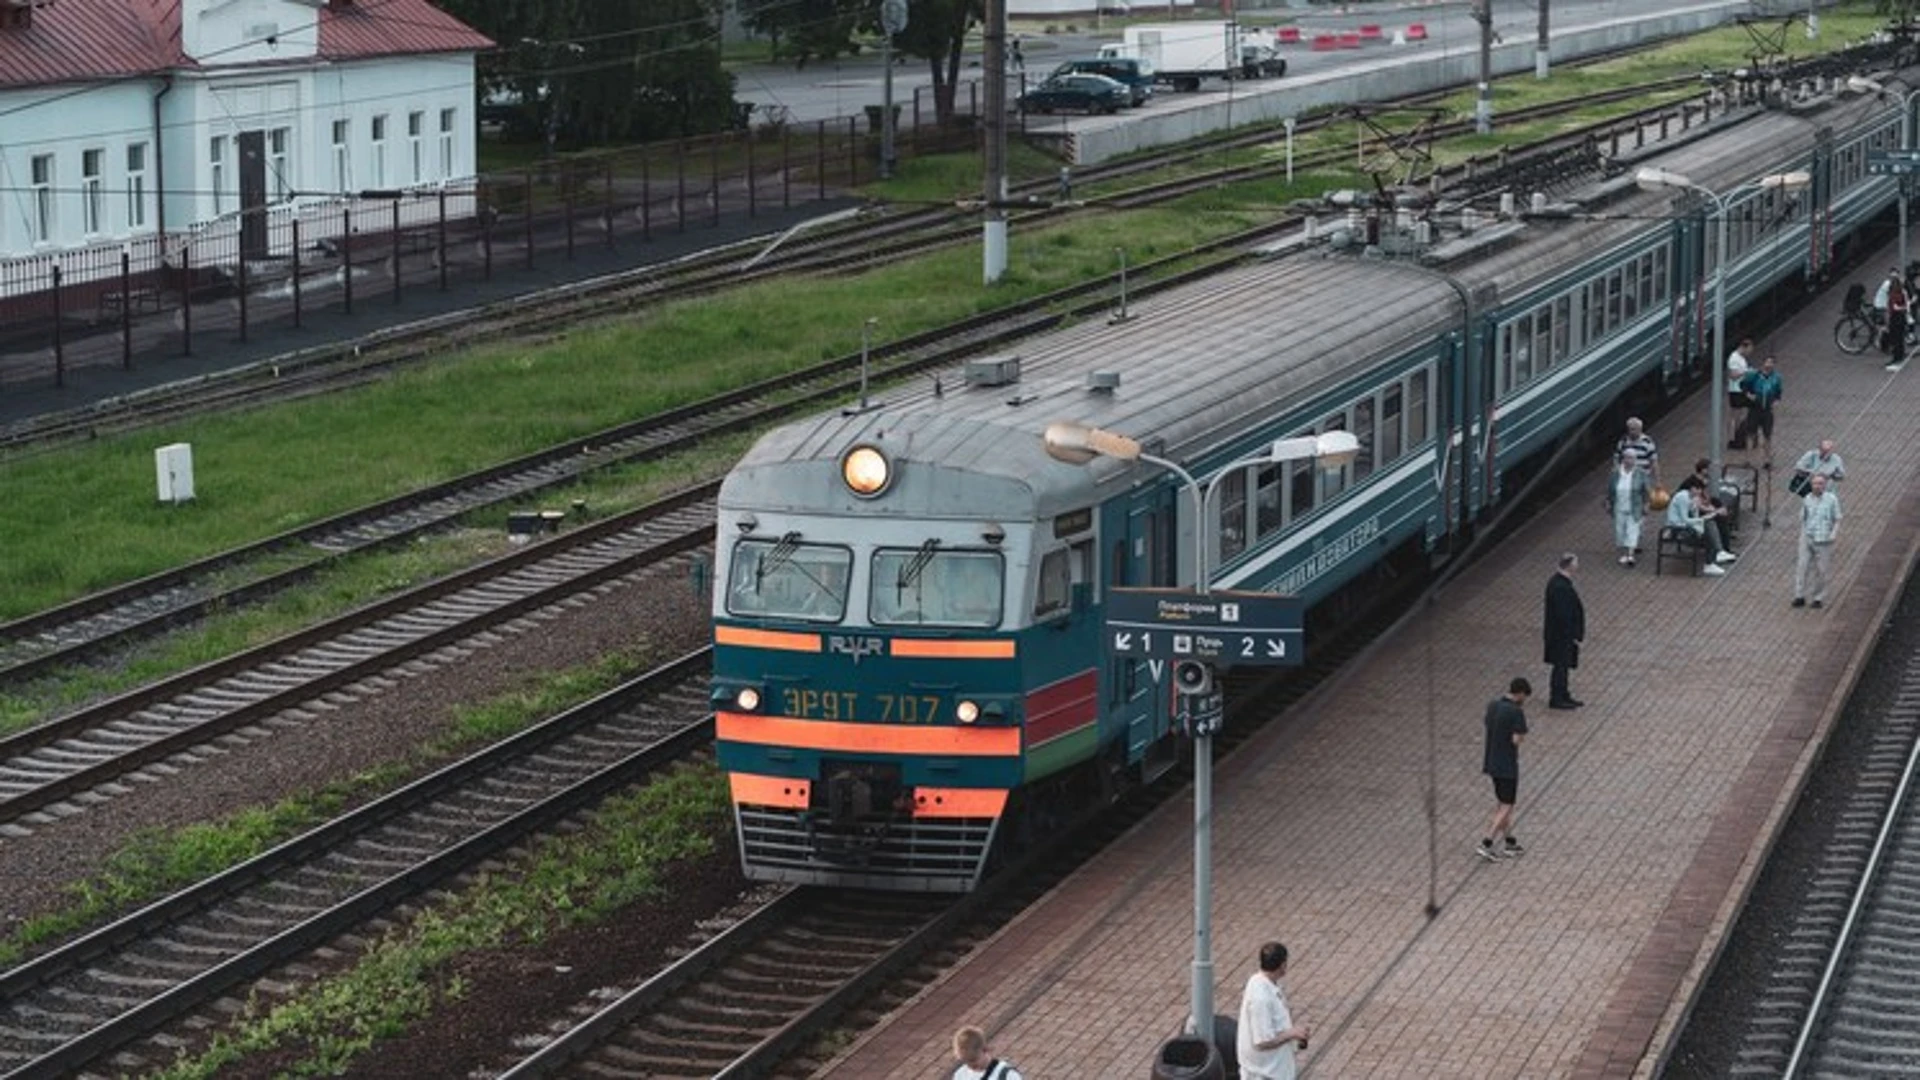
<point>1819,524</point>
<point>1637,440</point>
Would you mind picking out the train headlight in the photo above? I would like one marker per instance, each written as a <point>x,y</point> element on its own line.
<point>967,711</point>
<point>748,699</point>
<point>866,471</point>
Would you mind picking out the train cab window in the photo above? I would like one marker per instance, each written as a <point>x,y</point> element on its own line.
<point>1416,408</point>
<point>1233,514</point>
<point>1390,416</point>
<point>1268,513</point>
<point>928,586</point>
<point>782,578</point>
<point>1053,593</point>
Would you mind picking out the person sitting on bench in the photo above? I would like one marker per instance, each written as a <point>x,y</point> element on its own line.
<point>1690,510</point>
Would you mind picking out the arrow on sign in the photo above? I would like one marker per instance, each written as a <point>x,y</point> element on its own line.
<point>1122,641</point>
<point>1276,648</point>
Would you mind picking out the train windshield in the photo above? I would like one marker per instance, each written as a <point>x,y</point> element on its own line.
<point>926,586</point>
<point>787,579</point>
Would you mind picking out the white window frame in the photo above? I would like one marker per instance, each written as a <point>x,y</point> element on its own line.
<point>217,170</point>
<point>45,218</point>
<point>136,185</point>
<point>448,117</point>
<point>342,164</point>
<point>280,163</point>
<point>378,130</point>
<point>416,145</point>
<point>93,190</point>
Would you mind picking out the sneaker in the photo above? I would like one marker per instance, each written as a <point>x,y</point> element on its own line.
<point>1893,367</point>
<point>1726,557</point>
<point>1626,560</point>
<point>1714,570</point>
<point>1488,852</point>
<point>1629,560</point>
<point>1817,604</point>
<point>1514,849</point>
<point>1799,601</point>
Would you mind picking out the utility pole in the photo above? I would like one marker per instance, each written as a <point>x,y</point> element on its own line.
<point>1483,105</point>
<point>1541,60</point>
<point>994,64</point>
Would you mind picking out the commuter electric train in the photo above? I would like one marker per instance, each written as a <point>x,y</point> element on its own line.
<point>909,677</point>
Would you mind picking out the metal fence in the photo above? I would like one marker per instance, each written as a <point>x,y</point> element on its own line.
<point>140,301</point>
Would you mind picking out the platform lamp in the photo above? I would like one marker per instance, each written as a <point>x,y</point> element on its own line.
<point>1651,179</point>
<point>1078,444</point>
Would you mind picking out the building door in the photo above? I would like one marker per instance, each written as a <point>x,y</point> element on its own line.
<point>253,194</point>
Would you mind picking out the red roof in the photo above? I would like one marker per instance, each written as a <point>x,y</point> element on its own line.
<point>85,40</point>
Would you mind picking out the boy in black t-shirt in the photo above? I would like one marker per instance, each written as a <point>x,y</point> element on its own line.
<point>1506,723</point>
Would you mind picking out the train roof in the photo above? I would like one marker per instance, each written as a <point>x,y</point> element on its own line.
<point>1195,366</point>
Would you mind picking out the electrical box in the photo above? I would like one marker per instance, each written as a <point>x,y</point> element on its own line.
<point>174,467</point>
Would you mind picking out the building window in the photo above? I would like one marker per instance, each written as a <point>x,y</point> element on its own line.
<point>446,143</point>
<point>217,157</point>
<point>380,151</point>
<point>341,177</point>
<point>277,142</point>
<point>137,185</point>
<point>43,219</point>
<point>93,192</point>
<point>416,146</point>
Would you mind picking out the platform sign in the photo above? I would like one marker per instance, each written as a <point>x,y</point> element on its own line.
<point>1225,628</point>
<point>1893,162</point>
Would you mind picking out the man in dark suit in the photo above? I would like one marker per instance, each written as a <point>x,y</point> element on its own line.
<point>1566,628</point>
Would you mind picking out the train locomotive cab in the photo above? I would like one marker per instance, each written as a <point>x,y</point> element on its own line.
<point>873,683</point>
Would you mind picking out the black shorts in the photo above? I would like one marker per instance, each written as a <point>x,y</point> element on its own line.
<point>1506,790</point>
<point>1761,420</point>
<point>1738,399</point>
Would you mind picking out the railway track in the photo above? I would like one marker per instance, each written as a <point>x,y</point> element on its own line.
<point>35,645</point>
<point>1840,999</point>
<point>80,753</point>
<point>65,1010</point>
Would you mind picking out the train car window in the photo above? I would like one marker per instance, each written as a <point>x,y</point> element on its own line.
<point>1233,514</point>
<point>1646,282</point>
<point>1335,482</point>
<point>1522,349</point>
<point>1630,294</point>
<point>1363,430</point>
<point>928,586</point>
<point>1614,317</point>
<point>1306,488</point>
<point>1560,344</point>
<point>1416,408</point>
<point>1390,416</point>
<point>776,578</point>
<point>1503,376</point>
<point>1080,562</point>
<point>1269,509</point>
<point>1056,584</point>
<point>1596,310</point>
<point>1661,274</point>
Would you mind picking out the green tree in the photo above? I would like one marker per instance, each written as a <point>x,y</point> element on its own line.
<point>809,29</point>
<point>937,33</point>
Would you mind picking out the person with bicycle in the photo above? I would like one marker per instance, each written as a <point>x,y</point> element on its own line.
<point>1764,388</point>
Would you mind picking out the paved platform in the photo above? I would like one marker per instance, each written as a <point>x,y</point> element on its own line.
<point>1646,814</point>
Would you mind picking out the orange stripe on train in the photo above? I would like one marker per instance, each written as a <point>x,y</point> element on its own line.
<point>766,639</point>
<point>990,649</point>
<point>866,738</point>
<point>786,792</point>
<point>958,803</point>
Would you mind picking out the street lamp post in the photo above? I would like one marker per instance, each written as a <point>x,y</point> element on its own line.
<point>1655,179</point>
<point>1078,444</point>
<point>1865,85</point>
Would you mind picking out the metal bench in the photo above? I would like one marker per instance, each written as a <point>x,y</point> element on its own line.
<point>1680,542</point>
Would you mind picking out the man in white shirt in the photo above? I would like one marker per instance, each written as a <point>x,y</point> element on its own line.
<point>976,1061</point>
<point>1265,1041</point>
<point>1739,362</point>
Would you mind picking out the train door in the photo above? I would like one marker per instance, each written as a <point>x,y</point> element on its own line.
<point>1144,556</point>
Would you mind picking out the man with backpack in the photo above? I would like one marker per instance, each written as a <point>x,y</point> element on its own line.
<point>976,1061</point>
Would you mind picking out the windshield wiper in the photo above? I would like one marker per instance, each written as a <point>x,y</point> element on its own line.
<point>781,555</point>
<point>910,573</point>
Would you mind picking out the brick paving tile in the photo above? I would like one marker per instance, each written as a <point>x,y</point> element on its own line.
<point>1643,812</point>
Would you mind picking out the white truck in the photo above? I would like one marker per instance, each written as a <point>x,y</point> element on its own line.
<point>1183,54</point>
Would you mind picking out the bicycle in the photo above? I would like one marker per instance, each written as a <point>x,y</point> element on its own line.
<point>1857,329</point>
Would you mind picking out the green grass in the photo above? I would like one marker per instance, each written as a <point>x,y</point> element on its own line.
<point>567,881</point>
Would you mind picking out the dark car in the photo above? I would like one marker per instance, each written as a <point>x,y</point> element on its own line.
<point>1136,75</point>
<point>1088,93</point>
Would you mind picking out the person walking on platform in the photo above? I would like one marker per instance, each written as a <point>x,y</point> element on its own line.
<point>1819,525</point>
<point>1764,388</point>
<point>1627,495</point>
<point>1645,450</point>
<point>976,1061</point>
<point>1566,628</point>
<point>1265,1040</point>
<point>1506,723</point>
<point>1739,362</point>
<point>1821,460</point>
<point>1897,300</point>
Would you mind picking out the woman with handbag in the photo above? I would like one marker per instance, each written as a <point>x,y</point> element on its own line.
<point>1627,497</point>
